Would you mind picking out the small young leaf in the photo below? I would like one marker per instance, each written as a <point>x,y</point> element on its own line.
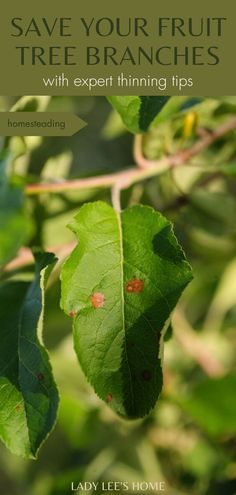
<point>120,285</point>
<point>14,224</point>
<point>28,394</point>
<point>138,112</point>
<point>128,107</point>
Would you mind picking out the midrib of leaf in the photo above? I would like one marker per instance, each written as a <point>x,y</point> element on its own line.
<point>123,300</point>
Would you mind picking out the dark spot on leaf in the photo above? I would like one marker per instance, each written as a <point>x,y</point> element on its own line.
<point>18,408</point>
<point>97,300</point>
<point>72,314</point>
<point>109,398</point>
<point>146,375</point>
<point>40,377</point>
<point>135,285</point>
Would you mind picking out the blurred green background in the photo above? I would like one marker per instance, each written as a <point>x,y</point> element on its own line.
<point>189,439</point>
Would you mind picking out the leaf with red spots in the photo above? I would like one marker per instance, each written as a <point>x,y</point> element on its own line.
<point>28,394</point>
<point>135,285</point>
<point>72,314</point>
<point>97,300</point>
<point>123,280</point>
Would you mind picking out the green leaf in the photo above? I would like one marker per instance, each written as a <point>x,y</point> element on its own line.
<point>14,222</point>
<point>138,112</point>
<point>28,394</point>
<point>128,107</point>
<point>150,108</point>
<point>121,284</point>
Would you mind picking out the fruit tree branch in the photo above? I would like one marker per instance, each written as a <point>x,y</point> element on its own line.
<point>146,168</point>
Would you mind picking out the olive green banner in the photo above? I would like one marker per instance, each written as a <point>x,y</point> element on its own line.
<point>124,48</point>
<point>40,124</point>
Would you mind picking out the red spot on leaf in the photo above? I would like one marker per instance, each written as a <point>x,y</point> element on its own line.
<point>97,300</point>
<point>40,377</point>
<point>146,375</point>
<point>73,313</point>
<point>135,285</point>
<point>109,398</point>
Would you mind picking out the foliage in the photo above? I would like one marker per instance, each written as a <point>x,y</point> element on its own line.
<point>28,393</point>
<point>187,439</point>
<point>138,112</point>
<point>121,284</point>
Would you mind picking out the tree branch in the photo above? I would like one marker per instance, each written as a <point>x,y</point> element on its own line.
<point>25,256</point>
<point>146,168</point>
